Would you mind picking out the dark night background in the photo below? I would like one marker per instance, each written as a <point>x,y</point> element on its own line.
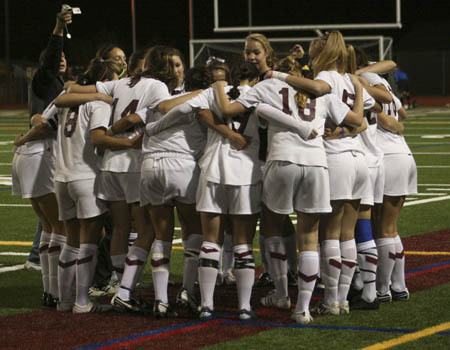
<point>426,25</point>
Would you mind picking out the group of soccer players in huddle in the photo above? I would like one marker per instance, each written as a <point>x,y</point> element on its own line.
<point>273,139</point>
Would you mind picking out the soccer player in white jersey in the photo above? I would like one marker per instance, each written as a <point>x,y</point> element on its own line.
<point>296,177</point>
<point>33,169</point>
<point>400,181</point>
<point>349,175</point>
<point>169,179</point>
<point>80,130</point>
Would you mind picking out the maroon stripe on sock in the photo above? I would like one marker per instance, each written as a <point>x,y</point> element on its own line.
<point>279,256</point>
<point>210,250</point>
<point>159,262</point>
<point>349,263</point>
<point>335,263</point>
<point>372,260</point>
<point>244,254</point>
<point>66,264</point>
<point>133,262</point>
<point>43,248</point>
<point>54,248</point>
<point>85,260</point>
<point>400,255</point>
<point>191,251</point>
<point>307,278</point>
<point>392,255</point>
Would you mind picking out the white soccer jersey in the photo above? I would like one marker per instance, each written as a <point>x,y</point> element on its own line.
<point>187,141</point>
<point>343,88</point>
<point>39,146</point>
<point>221,163</point>
<point>286,145</point>
<point>127,100</point>
<point>389,142</point>
<point>75,157</point>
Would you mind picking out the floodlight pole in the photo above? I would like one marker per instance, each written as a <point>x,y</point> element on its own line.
<point>133,24</point>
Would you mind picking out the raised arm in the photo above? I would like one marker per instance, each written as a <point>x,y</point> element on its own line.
<point>179,115</point>
<point>38,132</point>
<point>226,108</point>
<point>355,116</point>
<point>75,99</point>
<point>166,105</point>
<point>237,140</point>
<point>126,123</point>
<point>83,89</point>
<point>315,87</point>
<point>381,67</point>
<point>100,139</point>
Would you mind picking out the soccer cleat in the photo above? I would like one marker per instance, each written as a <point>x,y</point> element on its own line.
<point>400,296</point>
<point>264,280</point>
<point>292,279</point>
<point>229,279</point>
<point>187,301</point>
<point>49,300</point>
<point>302,317</point>
<point>163,310</point>
<point>246,315</point>
<point>110,289</point>
<point>354,293</point>
<point>272,299</point>
<point>358,303</point>
<point>31,266</point>
<point>91,308</point>
<point>324,309</point>
<point>344,308</point>
<point>126,305</point>
<point>206,314</point>
<point>384,298</point>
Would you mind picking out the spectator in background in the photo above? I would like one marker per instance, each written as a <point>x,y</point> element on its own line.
<point>402,82</point>
<point>47,83</point>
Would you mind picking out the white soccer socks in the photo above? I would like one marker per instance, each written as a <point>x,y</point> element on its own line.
<point>398,273</point>
<point>244,270</point>
<point>191,253</point>
<point>276,258</point>
<point>160,268</point>
<point>330,269</point>
<point>386,262</point>
<point>208,265</point>
<point>86,262</point>
<point>43,257</point>
<point>54,250</point>
<point>308,271</point>
<point>134,264</point>
<point>348,260</point>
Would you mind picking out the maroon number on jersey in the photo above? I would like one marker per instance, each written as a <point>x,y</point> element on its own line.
<point>71,122</point>
<point>348,98</point>
<point>285,97</point>
<point>310,108</point>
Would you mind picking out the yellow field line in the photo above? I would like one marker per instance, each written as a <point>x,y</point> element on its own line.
<point>29,244</point>
<point>409,337</point>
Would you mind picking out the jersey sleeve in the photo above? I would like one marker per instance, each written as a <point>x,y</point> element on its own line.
<point>100,115</point>
<point>372,78</point>
<point>50,116</point>
<point>158,93</point>
<point>142,113</point>
<point>337,110</point>
<point>251,98</point>
<point>201,101</point>
<point>106,87</point>
<point>398,103</point>
<point>368,100</point>
<point>327,77</point>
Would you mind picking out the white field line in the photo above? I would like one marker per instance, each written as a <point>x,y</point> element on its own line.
<point>438,189</point>
<point>16,205</point>
<point>11,268</point>
<point>431,153</point>
<point>428,143</point>
<point>437,185</point>
<point>10,151</point>
<point>4,143</point>
<point>409,199</point>
<point>5,163</point>
<point>13,254</point>
<point>433,166</point>
<point>431,194</point>
<point>426,135</point>
<point>429,200</point>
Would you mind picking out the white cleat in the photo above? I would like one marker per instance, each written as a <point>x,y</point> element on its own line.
<point>302,317</point>
<point>272,299</point>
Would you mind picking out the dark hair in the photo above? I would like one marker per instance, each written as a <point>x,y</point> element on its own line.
<point>104,51</point>
<point>158,65</point>
<point>98,70</point>
<point>214,64</point>
<point>134,61</point>
<point>361,58</point>
<point>245,71</point>
<point>197,78</point>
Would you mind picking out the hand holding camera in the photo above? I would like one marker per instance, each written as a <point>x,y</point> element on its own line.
<point>64,18</point>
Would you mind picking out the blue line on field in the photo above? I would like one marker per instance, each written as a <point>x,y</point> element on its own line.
<point>428,267</point>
